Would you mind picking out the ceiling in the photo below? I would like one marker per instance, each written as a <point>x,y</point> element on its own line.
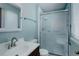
<point>52,6</point>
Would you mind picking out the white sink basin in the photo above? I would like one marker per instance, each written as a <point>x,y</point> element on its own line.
<point>20,50</point>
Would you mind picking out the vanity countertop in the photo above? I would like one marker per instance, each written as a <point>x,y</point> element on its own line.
<point>22,50</point>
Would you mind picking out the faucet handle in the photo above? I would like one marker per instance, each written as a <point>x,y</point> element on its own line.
<point>9,46</point>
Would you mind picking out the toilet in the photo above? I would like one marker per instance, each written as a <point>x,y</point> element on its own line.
<point>43,52</point>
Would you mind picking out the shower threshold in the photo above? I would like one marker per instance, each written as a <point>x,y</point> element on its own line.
<point>53,54</point>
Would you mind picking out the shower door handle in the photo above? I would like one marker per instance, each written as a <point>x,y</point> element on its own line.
<point>69,43</point>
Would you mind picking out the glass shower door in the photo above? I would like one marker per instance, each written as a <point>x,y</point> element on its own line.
<point>54,33</point>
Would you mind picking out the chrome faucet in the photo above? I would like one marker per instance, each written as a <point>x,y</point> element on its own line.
<point>13,43</point>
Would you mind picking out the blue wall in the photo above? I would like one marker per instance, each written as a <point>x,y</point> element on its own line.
<point>28,27</point>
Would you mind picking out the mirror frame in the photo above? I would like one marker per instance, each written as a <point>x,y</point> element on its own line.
<point>20,20</point>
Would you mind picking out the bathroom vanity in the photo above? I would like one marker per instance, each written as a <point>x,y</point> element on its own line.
<point>35,52</point>
<point>22,49</point>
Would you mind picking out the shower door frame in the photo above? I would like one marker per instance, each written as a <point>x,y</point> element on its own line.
<point>69,29</point>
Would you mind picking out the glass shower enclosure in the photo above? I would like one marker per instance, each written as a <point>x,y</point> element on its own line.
<point>54,32</point>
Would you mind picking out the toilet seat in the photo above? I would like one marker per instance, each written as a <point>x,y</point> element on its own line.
<point>43,52</point>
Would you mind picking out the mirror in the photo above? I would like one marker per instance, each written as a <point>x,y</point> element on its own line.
<point>9,17</point>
